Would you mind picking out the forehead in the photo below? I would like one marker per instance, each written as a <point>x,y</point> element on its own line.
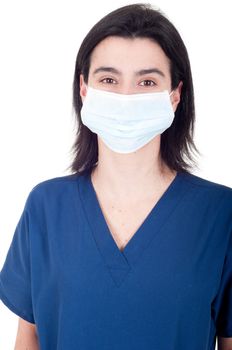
<point>129,52</point>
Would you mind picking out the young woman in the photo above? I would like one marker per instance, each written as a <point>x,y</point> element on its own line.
<point>132,250</point>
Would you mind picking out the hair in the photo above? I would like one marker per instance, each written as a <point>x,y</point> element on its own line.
<point>140,20</point>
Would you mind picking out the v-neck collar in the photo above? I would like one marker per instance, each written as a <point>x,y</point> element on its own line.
<point>120,262</point>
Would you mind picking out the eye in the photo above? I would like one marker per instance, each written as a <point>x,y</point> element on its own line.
<point>109,80</point>
<point>148,82</point>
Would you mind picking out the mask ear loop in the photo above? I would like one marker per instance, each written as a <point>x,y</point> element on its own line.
<point>171,94</point>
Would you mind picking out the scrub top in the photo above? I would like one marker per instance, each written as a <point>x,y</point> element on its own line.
<point>169,289</point>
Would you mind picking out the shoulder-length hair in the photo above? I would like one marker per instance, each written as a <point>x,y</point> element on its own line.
<point>140,21</point>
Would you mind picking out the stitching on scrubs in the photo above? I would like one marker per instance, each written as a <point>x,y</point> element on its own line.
<point>215,219</point>
<point>86,218</point>
<point>162,226</point>
<point>28,317</point>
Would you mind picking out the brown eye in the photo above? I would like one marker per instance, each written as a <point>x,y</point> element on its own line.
<point>109,80</point>
<point>148,83</point>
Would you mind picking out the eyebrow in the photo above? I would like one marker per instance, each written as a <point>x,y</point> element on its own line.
<point>137,73</point>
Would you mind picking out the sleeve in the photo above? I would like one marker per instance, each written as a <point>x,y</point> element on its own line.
<point>223,300</point>
<point>15,280</point>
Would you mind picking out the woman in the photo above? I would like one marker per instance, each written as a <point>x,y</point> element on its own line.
<point>131,251</point>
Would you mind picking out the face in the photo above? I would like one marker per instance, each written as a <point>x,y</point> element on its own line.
<point>129,66</point>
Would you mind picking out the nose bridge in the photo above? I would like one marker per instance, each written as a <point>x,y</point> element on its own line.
<point>127,91</point>
<point>127,85</point>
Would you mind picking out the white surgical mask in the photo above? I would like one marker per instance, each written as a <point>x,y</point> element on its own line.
<point>126,123</point>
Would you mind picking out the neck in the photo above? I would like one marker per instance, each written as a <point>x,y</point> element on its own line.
<point>131,175</point>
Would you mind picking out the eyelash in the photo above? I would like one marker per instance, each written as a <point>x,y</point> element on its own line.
<point>142,80</point>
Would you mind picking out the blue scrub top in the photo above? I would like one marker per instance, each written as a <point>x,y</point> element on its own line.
<point>169,289</point>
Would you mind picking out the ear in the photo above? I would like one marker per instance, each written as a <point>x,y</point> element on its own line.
<point>83,88</point>
<point>175,98</point>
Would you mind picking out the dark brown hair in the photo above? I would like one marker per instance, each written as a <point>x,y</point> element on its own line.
<point>140,21</point>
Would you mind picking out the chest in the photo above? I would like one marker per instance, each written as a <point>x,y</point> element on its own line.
<point>124,219</point>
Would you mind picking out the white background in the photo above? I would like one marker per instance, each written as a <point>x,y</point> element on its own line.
<point>39,43</point>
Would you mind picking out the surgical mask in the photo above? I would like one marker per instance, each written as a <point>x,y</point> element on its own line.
<point>126,123</point>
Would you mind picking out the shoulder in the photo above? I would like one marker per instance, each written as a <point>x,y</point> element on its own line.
<point>208,192</point>
<point>56,182</point>
<point>207,186</point>
<point>52,189</point>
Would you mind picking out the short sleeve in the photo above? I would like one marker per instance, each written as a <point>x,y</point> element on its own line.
<point>223,301</point>
<point>15,280</point>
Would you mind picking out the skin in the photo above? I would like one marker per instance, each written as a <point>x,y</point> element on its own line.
<point>224,343</point>
<point>26,338</point>
<point>131,177</point>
